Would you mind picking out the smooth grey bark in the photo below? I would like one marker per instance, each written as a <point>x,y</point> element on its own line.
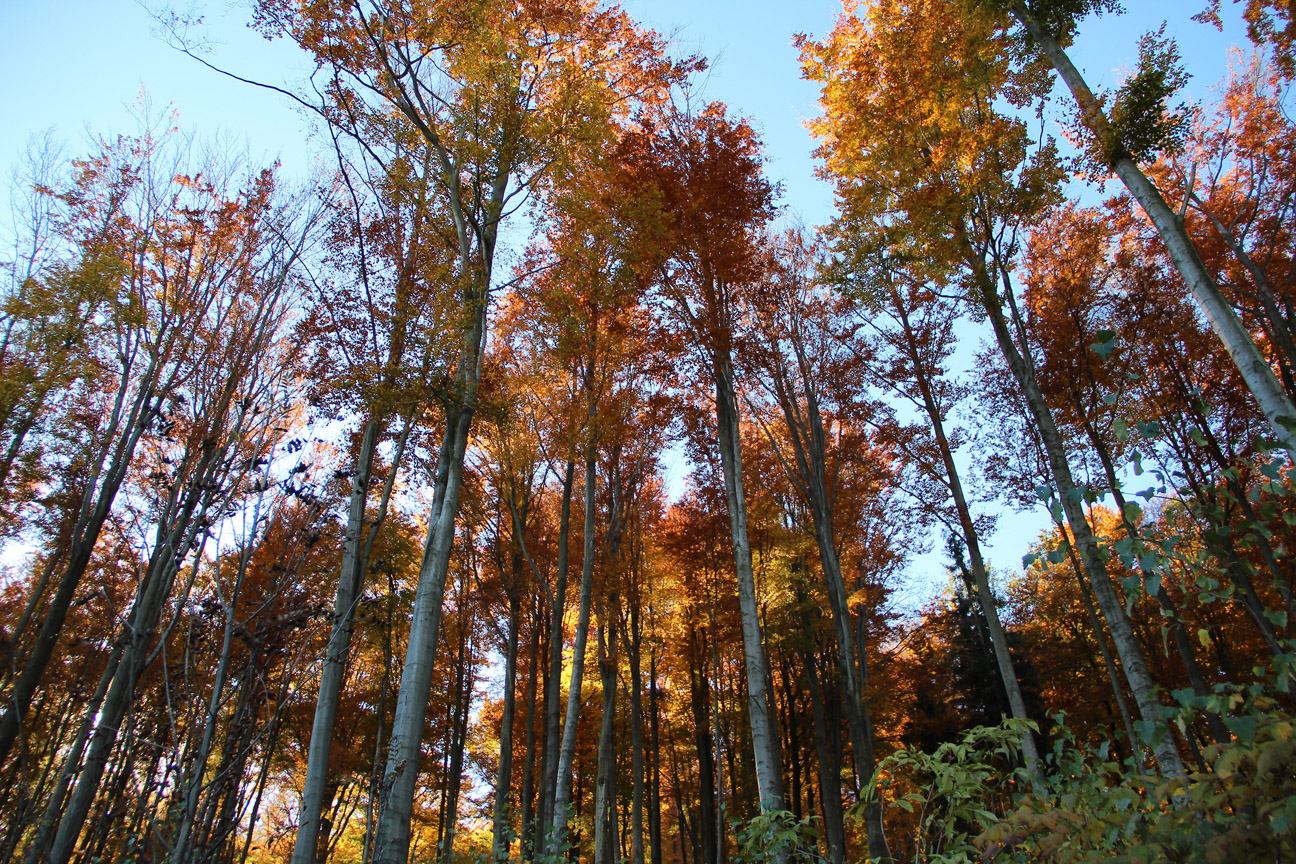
<point>809,474</point>
<point>350,581</point>
<point>1269,394</point>
<point>553,680</point>
<point>404,750</point>
<point>475,213</point>
<point>355,559</point>
<point>1127,646</point>
<point>980,575</point>
<point>562,800</point>
<point>605,791</point>
<point>769,780</point>
<point>500,842</point>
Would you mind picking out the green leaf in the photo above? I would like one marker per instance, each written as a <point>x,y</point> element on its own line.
<point>1103,349</point>
<point>1243,727</point>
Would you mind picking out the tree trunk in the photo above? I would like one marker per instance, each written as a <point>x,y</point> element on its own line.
<point>563,788</point>
<point>605,793</point>
<point>633,644</point>
<point>350,583</point>
<point>830,791</point>
<point>1182,643</point>
<point>553,681</point>
<point>654,806</point>
<point>526,839</point>
<point>980,575</point>
<point>85,536</point>
<point>458,741</point>
<point>1109,662</point>
<point>404,750</point>
<point>501,844</point>
<point>1127,647</point>
<point>700,703</point>
<point>169,551</point>
<point>1274,402</point>
<point>769,781</point>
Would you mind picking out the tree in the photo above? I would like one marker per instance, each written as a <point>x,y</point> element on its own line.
<point>502,95</point>
<point>701,174</point>
<point>1139,126</point>
<point>962,182</point>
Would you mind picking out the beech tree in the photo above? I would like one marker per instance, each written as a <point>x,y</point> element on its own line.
<point>1140,126</point>
<point>703,173</point>
<point>291,476</point>
<point>971,173</point>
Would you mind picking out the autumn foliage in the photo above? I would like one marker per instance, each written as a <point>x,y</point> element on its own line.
<point>529,485</point>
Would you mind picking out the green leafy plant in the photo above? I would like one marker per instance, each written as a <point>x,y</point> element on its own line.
<point>778,835</point>
<point>955,791</point>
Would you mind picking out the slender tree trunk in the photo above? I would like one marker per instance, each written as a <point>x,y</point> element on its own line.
<point>527,833</point>
<point>78,559</point>
<point>1274,402</point>
<point>1127,647</point>
<point>1182,643</point>
<point>1109,662</point>
<point>654,729</point>
<point>459,738</point>
<point>501,844</point>
<point>605,794</point>
<point>138,638</point>
<point>830,791</point>
<point>566,755</point>
<point>392,838</point>
<point>769,781</point>
<point>553,681</point>
<point>350,582</point>
<point>633,644</point>
<point>1278,330</point>
<point>700,699</point>
<point>49,819</point>
<point>980,575</point>
<point>384,687</point>
<point>184,836</point>
<point>850,655</point>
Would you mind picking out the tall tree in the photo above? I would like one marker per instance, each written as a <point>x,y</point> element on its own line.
<point>1139,125</point>
<point>964,181</point>
<point>702,172</point>
<point>502,95</point>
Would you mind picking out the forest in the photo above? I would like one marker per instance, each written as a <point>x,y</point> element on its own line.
<point>339,517</point>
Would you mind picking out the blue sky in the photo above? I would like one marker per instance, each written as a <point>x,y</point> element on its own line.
<point>78,65</point>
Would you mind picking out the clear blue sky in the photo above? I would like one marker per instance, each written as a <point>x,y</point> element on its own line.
<point>76,66</point>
